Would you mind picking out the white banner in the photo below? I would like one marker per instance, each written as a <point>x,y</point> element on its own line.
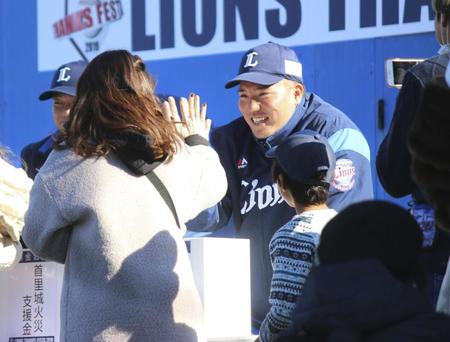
<point>163,29</point>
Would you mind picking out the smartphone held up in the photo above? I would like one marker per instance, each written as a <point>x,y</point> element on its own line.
<point>396,69</point>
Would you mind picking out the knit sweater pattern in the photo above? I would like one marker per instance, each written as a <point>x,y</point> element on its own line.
<point>292,252</point>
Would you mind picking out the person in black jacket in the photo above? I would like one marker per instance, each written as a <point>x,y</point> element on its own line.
<point>430,163</point>
<point>62,93</point>
<point>394,160</point>
<point>369,284</point>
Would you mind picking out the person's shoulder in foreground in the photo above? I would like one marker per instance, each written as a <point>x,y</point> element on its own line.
<point>369,285</point>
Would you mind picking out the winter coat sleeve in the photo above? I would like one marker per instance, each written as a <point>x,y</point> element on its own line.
<point>208,180</point>
<point>217,216</point>
<point>212,179</point>
<point>46,231</point>
<point>393,158</point>
<point>213,218</point>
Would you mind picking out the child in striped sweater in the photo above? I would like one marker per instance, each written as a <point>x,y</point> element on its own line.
<point>303,169</point>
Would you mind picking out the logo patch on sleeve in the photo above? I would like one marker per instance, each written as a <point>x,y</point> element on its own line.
<point>344,175</point>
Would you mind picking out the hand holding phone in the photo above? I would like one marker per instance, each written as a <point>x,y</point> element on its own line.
<point>396,69</point>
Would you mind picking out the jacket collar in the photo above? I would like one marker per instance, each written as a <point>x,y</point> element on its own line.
<point>286,130</point>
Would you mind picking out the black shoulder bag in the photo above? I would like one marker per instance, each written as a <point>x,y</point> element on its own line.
<point>154,179</point>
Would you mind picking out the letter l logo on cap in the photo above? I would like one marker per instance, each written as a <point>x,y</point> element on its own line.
<point>63,76</point>
<point>251,61</point>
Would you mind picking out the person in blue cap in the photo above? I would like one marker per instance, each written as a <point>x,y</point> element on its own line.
<point>293,246</point>
<point>62,93</point>
<point>274,105</point>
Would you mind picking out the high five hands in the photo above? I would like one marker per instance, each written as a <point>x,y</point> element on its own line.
<point>193,116</point>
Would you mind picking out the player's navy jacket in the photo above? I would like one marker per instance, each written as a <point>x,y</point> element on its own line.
<point>253,200</point>
<point>33,156</point>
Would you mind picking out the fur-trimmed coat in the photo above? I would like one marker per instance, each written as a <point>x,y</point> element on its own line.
<point>14,193</point>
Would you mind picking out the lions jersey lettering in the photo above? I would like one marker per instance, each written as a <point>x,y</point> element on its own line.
<point>265,196</point>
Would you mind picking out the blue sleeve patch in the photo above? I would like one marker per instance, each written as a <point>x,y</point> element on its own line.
<point>350,139</point>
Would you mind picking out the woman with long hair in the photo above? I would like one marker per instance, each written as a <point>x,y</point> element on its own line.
<point>111,201</point>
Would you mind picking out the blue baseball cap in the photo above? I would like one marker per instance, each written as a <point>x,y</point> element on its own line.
<point>302,155</point>
<point>65,80</point>
<point>268,64</point>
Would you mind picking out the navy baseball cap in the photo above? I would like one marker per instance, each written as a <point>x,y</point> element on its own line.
<point>302,155</point>
<point>65,80</point>
<point>268,64</point>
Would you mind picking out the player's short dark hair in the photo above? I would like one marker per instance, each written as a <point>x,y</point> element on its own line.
<point>315,193</point>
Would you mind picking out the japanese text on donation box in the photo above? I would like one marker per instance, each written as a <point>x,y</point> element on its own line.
<point>33,290</point>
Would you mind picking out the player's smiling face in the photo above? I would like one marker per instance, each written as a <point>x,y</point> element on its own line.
<point>267,108</point>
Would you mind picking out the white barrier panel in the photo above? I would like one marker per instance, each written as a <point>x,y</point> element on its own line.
<point>30,293</point>
<point>221,270</point>
<point>29,300</point>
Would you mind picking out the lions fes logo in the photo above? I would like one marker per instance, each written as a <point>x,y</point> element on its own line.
<point>85,24</point>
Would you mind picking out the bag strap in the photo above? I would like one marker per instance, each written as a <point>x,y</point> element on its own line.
<point>159,185</point>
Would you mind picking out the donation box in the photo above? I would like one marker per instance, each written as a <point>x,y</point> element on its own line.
<point>29,300</point>
<point>30,292</point>
<point>221,269</point>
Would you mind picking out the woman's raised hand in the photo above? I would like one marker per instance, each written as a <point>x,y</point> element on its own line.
<point>193,115</point>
